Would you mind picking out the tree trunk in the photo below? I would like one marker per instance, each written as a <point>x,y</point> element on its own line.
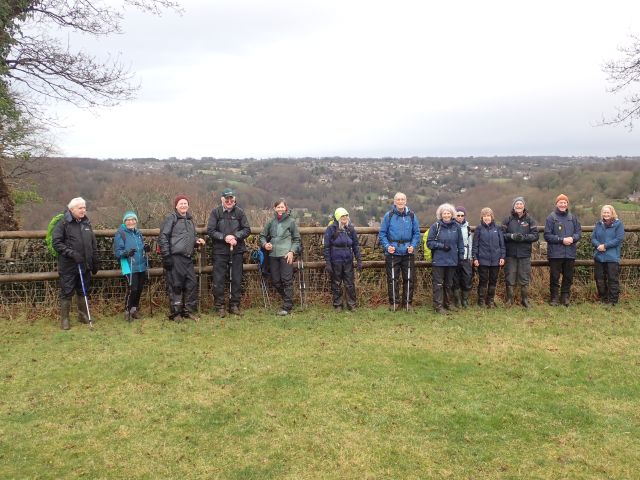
<point>7,207</point>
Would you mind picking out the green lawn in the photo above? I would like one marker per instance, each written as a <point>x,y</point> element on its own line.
<point>550,393</point>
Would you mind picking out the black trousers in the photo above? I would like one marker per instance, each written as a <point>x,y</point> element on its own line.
<point>400,268</point>
<point>182,286</point>
<point>487,281</point>
<point>221,269</point>
<point>442,284</point>
<point>463,279</point>
<point>134,291</point>
<point>343,274</point>
<point>607,276</point>
<point>70,282</point>
<point>557,267</point>
<point>282,279</point>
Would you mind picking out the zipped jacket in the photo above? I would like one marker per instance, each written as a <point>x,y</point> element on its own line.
<point>612,238</point>
<point>400,230</point>
<point>443,235</point>
<point>71,235</point>
<point>341,244</point>
<point>228,222</point>
<point>283,235</point>
<point>558,226</point>
<point>514,225</point>
<point>124,241</point>
<point>177,235</point>
<point>488,245</point>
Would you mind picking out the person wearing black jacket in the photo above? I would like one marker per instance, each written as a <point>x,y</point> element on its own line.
<point>228,228</point>
<point>177,242</point>
<point>74,241</point>
<point>520,231</point>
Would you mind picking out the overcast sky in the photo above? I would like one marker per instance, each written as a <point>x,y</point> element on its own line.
<point>256,78</point>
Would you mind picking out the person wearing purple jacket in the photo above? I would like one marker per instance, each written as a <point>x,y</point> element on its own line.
<point>488,254</point>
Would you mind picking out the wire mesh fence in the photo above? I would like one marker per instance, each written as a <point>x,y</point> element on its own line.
<point>28,255</point>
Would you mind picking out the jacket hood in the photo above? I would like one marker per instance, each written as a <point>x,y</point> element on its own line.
<point>69,218</point>
<point>186,215</point>
<point>397,212</point>
<point>124,228</point>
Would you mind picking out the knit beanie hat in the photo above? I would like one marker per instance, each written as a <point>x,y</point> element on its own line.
<point>129,214</point>
<point>562,196</point>
<point>178,198</point>
<point>518,199</point>
<point>460,208</point>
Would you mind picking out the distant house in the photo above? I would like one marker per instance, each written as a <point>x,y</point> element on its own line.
<point>634,197</point>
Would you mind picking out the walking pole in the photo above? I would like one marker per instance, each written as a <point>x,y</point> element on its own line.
<point>149,285</point>
<point>230,272</point>
<point>200,281</point>
<point>393,283</point>
<point>84,293</point>
<point>408,284</point>
<point>128,296</point>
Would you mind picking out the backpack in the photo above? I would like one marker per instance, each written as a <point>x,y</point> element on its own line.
<point>428,256</point>
<point>49,237</point>
<point>261,257</point>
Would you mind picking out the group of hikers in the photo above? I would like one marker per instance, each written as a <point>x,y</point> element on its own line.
<point>450,244</point>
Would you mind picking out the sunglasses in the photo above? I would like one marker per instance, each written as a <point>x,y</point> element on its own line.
<point>459,214</point>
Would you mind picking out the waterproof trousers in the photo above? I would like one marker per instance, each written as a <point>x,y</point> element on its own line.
<point>132,299</point>
<point>222,267</point>
<point>487,281</point>
<point>558,267</point>
<point>400,268</point>
<point>442,286</point>
<point>463,278</point>
<point>343,275</point>
<point>517,271</point>
<point>282,279</point>
<point>182,286</point>
<point>607,276</point>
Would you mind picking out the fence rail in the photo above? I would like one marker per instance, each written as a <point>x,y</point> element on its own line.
<point>28,273</point>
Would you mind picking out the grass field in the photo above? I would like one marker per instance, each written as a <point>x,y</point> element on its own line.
<point>547,393</point>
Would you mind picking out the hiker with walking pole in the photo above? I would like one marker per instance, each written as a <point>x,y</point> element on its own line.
<point>177,242</point>
<point>447,249</point>
<point>340,249</point>
<point>131,250</point>
<point>301,283</point>
<point>227,228</point>
<point>281,238</point>
<point>399,236</point>
<point>74,242</point>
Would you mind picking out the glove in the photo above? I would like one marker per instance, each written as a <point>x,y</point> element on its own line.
<point>446,247</point>
<point>146,248</point>
<point>131,252</point>
<point>359,265</point>
<point>167,263</point>
<point>518,237</point>
<point>328,268</point>
<point>77,257</point>
<point>95,267</point>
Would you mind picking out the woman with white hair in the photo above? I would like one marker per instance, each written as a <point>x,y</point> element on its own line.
<point>447,249</point>
<point>488,254</point>
<point>607,238</point>
<point>75,243</point>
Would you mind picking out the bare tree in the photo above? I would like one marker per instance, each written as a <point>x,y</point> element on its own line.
<point>624,75</point>
<point>36,65</point>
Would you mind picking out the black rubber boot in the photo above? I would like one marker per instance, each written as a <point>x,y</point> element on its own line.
<point>508,301</point>
<point>465,299</point>
<point>524,297</point>
<point>65,308</point>
<point>564,299</point>
<point>482,292</point>
<point>457,298</point>
<point>83,314</point>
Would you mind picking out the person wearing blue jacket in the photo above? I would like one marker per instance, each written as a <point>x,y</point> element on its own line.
<point>488,254</point>
<point>607,238</point>
<point>399,236</point>
<point>562,232</point>
<point>130,249</point>
<point>447,249</point>
<point>340,248</point>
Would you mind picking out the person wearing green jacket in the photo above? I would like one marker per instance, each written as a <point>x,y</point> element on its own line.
<point>281,238</point>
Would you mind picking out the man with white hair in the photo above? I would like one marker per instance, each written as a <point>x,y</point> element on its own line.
<point>74,241</point>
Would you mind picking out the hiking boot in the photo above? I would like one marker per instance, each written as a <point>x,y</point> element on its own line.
<point>127,316</point>
<point>465,299</point>
<point>491,303</point>
<point>440,311</point>
<point>283,313</point>
<point>65,308</point>
<point>220,311</point>
<point>135,313</point>
<point>451,308</point>
<point>457,298</point>
<point>554,301</point>
<point>234,310</point>
<point>337,308</point>
<point>564,299</point>
<point>190,316</point>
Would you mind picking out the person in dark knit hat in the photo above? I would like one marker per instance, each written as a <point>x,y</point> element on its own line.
<point>562,231</point>
<point>463,278</point>
<point>520,231</point>
<point>177,241</point>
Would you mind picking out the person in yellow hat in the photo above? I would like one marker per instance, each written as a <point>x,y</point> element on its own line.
<point>340,249</point>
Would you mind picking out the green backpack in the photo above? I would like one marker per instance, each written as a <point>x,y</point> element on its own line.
<point>49,238</point>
